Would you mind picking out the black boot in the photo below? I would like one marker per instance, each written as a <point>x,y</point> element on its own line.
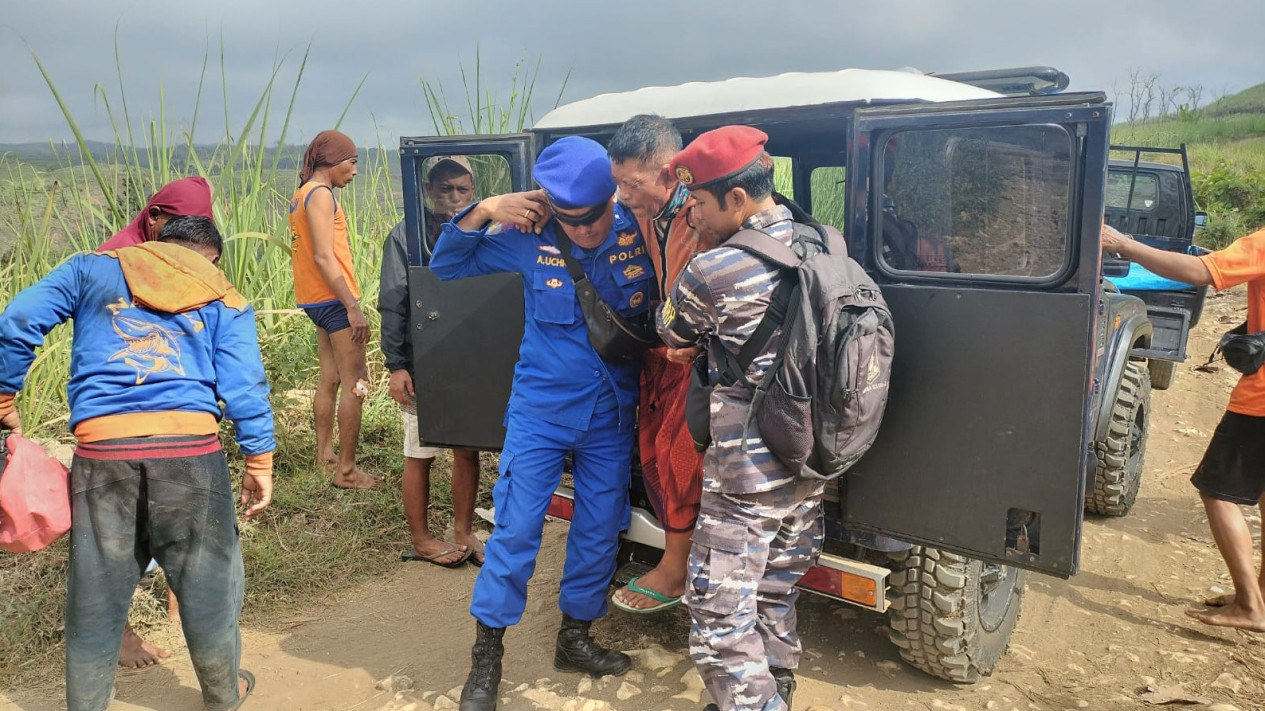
<point>479,693</point>
<point>785,683</point>
<point>578,652</point>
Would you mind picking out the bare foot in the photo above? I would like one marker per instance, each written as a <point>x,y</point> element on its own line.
<point>355,479</point>
<point>471,542</point>
<point>173,608</point>
<point>663,582</point>
<point>1231,616</point>
<point>1220,600</point>
<point>136,653</point>
<point>440,552</point>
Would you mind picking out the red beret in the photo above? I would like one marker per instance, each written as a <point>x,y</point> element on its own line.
<point>718,154</point>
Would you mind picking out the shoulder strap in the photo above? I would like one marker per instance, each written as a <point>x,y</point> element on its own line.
<point>765,247</point>
<point>734,368</point>
<point>564,244</point>
<point>1239,330</point>
<point>773,318</point>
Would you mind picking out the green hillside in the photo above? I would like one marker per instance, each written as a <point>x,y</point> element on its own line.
<point>1248,101</point>
<point>1226,144</point>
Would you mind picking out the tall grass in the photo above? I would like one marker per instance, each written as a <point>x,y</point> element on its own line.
<point>310,541</point>
<point>89,201</point>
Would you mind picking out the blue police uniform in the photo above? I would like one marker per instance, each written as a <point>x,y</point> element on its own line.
<point>565,398</point>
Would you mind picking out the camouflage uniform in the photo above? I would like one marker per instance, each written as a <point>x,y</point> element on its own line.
<point>759,527</point>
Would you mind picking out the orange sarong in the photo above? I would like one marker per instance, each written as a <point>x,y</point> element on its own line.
<point>672,469</point>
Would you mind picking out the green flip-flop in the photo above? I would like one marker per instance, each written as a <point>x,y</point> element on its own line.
<point>666,602</point>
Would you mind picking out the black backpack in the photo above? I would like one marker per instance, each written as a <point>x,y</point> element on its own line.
<point>819,406</point>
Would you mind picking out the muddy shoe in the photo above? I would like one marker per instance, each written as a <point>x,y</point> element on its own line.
<point>785,679</point>
<point>479,693</point>
<point>577,651</point>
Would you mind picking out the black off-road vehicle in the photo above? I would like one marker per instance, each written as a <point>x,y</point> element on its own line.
<point>978,214</point>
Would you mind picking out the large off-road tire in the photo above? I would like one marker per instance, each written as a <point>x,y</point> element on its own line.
<point>1118,471</point>
<point>1162,372</point>
<point>952,616</point>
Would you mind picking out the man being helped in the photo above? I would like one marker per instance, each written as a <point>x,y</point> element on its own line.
<point>759,526</point>
<point>161,339</point>
<point>565,398</point>
<point>449,187</point>
<point>1232,472</point>
<point>673,470</point>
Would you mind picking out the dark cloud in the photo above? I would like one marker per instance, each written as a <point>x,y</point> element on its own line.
<point>393,44</point>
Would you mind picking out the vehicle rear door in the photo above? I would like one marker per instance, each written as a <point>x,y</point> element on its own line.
<point>980,221</point>
<point>465,333</point>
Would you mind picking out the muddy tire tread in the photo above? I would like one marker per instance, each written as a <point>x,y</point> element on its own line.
<point>1115,488</point>
<point>929,620</point>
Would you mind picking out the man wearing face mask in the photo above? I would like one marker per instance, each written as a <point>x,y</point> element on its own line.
<point>672,468</point>
<point>565,398</point>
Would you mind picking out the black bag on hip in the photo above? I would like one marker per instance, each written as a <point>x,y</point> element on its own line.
<point>1243,351</point>
<point>614,337</point>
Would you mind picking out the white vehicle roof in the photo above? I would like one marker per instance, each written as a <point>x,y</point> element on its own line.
<point>752,94</point>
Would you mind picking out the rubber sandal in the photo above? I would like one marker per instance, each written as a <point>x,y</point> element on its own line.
<point>411,556</point>
<point>250,687</point>
<point>666,602</point>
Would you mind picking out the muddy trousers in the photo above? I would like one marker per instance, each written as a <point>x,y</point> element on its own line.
<point>169,498</point>
<point>749,552</point>
<point>531,468</point>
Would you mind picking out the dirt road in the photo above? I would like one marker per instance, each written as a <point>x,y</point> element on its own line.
<point>1094,642</point>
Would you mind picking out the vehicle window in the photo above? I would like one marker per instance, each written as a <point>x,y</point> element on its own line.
<point>826,188</point>
<point>784,176</point>
<point>982,200</point>
<point>1146,190</point>
<point>451,183</point>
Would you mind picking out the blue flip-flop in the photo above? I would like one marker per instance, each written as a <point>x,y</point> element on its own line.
<point>666,602</point>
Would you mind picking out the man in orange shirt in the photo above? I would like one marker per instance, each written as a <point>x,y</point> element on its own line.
<point>672,469</point>
<point>1232,472</point>
<point>325,287</point>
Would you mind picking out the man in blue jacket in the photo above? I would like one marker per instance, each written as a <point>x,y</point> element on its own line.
<point>565,398</point>
<point>161,339</point>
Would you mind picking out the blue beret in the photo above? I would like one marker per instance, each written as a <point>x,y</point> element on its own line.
<point>576,172</point>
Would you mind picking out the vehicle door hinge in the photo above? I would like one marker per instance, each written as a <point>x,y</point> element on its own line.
<point>1097,386</point>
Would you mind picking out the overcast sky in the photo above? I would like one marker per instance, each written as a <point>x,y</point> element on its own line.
<point>606,46</point>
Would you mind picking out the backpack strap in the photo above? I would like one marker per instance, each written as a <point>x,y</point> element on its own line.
<point>733,369</point>
<point>758,244</point>
<point>765,247</point>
